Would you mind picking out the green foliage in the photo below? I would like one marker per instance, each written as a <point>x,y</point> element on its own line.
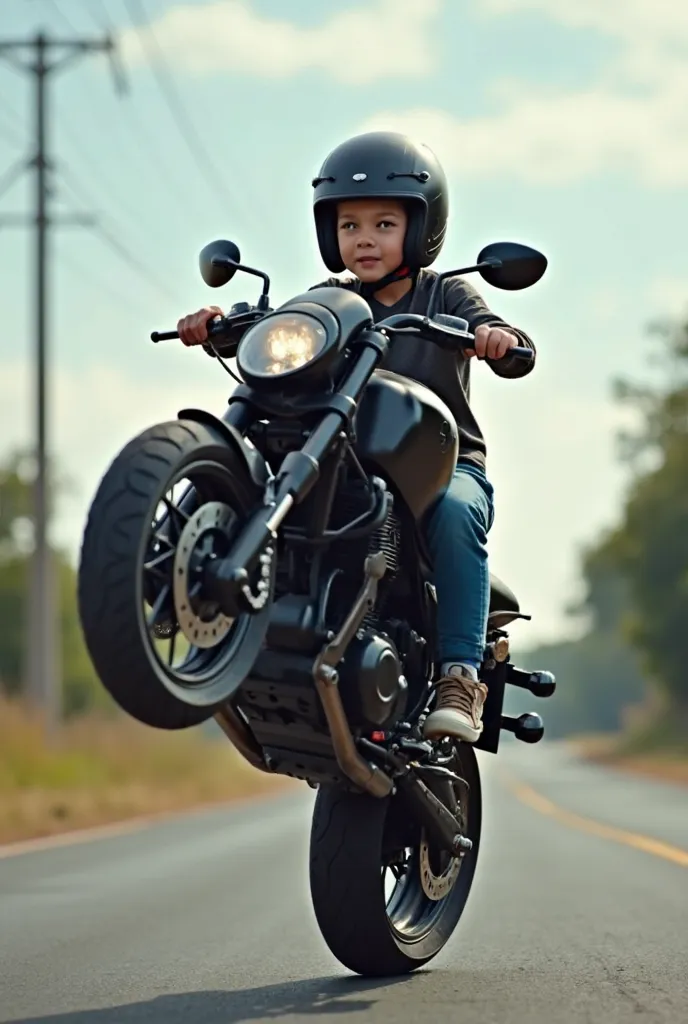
<point>597,681</point>
<point>636,575</point>
<point>80,687</point>
<point>649,548</point>
<point>598,676</point>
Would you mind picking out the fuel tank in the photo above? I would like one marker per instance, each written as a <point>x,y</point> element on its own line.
<point>408,432</point>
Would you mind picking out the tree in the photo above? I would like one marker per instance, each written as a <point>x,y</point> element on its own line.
<point>636,575</point>
<point>649,548</point>
<point>81,687</point>
<point>599,676</point>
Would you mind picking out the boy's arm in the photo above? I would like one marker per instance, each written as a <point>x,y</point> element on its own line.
<point>462,299</point>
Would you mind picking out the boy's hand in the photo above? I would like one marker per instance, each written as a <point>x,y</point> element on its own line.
<point>491,343</point>
<point>193,329</point>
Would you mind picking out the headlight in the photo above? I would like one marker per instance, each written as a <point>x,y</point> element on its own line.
<point>284,343</point>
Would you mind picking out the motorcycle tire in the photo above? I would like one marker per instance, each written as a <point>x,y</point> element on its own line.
<point>347,884</point>
<point>111,570</point>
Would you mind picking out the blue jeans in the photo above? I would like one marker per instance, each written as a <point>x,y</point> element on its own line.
<point>456,535</point>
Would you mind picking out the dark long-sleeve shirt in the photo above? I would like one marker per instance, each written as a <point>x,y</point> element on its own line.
<point>446,373</point>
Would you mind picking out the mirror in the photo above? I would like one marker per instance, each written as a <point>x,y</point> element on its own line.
<point>520,267</point>
<point>213,275</point>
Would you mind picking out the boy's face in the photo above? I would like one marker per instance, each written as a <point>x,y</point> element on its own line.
<point>371,236</point>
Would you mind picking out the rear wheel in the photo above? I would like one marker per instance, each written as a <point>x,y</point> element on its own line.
<point>357,841</point>
<point>166,654</point>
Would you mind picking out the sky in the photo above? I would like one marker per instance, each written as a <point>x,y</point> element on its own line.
<point>561,125</point>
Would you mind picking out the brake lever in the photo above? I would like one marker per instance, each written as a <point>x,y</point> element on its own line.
<point>240,314</point>
<point>446,332</point>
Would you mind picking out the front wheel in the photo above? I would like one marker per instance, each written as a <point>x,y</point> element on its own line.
<point>166,653</point>
<point>356,842</point>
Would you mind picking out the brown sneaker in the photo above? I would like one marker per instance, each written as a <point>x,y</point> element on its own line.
<point>459,708</point>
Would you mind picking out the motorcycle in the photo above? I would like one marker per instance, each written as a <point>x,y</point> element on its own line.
<point>286,591</point>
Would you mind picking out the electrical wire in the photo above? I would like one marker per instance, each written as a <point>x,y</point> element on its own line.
<point>186,127</point>
<point>12,174</point>
<point>84,271</point>
<point>130,116</point>
<point>7,129</point>
<point>52,4</point>
<point>118,247</point>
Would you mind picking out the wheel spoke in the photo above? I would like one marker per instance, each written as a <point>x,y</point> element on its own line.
<point>189,657</point>
<point>160,538</point>
<point>152,619</point>
<point>170,656</point>
<point>154,565</point>
<point>178,519</point>
<point>190,653</point>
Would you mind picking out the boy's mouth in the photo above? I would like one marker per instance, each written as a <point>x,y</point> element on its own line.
<point>368,261</point>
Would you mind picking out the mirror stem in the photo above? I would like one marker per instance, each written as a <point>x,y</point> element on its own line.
<point>489,262</point>
<point>225,261</point>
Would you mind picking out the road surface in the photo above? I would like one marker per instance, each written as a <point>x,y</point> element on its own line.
<point>579,913</point>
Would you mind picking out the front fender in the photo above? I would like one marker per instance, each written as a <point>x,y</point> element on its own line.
<point>256,466</point>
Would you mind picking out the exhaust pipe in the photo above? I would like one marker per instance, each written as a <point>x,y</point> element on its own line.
<point>370,778</point>
<point>238,734</point>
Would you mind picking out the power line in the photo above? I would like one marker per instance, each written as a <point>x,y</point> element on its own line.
<point>70,179</point>
<point>84,156</point>
<point>202,157</point>
<point>153,164</point>
<point>84,271</point>
<point>7,128</point>
<point>159,167</point>
<point>141,269</point>
<point>12,174</point>
<point>52,4</point>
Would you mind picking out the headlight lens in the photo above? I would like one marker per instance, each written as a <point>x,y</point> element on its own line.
<point>281,344</point>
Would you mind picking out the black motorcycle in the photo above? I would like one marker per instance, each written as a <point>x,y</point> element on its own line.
<point>286,590</point>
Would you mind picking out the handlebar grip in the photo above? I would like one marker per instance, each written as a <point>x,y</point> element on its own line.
<point>216,325</point>
<point>521,352</point>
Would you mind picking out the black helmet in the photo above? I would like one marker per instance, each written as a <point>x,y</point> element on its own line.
<point>378,165</point>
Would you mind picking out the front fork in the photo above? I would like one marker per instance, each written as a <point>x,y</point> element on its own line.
<point>226,581</point>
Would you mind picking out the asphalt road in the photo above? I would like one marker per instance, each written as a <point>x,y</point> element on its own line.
<point>207,920</point>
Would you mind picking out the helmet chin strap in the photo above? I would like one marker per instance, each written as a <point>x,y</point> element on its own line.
<point>369,288</point>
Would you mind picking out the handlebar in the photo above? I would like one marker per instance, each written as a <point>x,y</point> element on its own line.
<point>215,328</point>
<point>449,332</point>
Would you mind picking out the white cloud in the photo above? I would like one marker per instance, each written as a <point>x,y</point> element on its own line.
<point>546,137</point>
<point>669,296</point>
<point>634,117</point>
<point>637,22</point>
<point>359,45</point>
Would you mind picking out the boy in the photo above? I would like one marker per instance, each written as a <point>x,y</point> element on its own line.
<point>381,210</point>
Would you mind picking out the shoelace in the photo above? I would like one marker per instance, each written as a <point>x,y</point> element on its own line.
<point>454,693</point>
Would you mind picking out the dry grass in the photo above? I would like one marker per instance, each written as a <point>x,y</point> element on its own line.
<point>655,746</point>
<point>102,769</point>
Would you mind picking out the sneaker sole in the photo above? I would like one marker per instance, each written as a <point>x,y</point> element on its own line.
<point>441,723</point>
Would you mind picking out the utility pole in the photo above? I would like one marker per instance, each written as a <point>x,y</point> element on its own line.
<point>35,57</point>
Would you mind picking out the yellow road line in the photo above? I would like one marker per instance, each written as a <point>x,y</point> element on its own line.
<point>595,828</point>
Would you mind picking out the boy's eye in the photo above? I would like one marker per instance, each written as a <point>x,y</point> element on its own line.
<point>348,224</point>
